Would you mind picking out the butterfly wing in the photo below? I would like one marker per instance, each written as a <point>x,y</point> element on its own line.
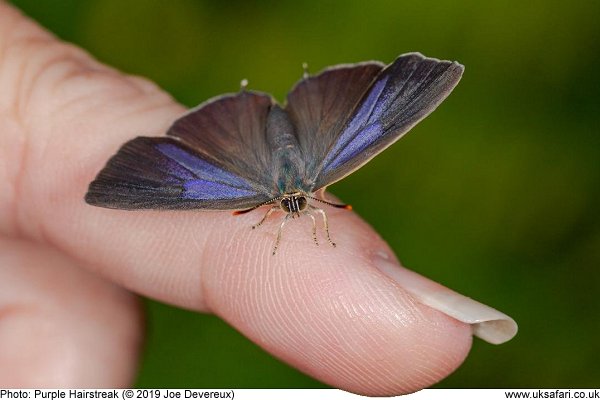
<point>231,131</point>
<point>214,157</point>
<point>320,105</point>
<point>396,99</point>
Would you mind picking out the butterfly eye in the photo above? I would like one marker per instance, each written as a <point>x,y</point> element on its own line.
<point>302,203</point>
<point>286,205</point>
<point>293,204</point>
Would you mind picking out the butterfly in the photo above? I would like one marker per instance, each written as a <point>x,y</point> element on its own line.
<point>243,151</point>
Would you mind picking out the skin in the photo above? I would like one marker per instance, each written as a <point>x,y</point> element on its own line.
<point>68,271</point>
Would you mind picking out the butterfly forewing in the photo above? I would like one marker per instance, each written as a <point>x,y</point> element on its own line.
<point>399,97</point>
<point>231,131</point>
<point>320,105</point>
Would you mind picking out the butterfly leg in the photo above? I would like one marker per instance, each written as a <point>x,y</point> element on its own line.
<point>325,222</point>
<point>287,217</point>
<point>314,230</point>
<point>271,210</point>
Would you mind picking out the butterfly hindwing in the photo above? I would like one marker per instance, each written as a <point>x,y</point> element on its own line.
<point>230,130</point>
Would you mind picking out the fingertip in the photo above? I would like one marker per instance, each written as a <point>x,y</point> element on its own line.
<point>329,311</point>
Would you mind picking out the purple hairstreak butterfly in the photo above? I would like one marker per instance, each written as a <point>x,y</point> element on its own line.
<point>244,151</point>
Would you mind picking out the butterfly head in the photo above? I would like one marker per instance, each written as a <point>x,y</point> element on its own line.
<point>294,204</point>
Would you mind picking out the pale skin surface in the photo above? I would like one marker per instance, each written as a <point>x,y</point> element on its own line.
<point>68,270</point>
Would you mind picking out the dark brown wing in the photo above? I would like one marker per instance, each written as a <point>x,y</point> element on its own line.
<point>348,114</point>
<point>404,93</point>
<point>230,130</point>
<point>320,105</point>
<point>214,157</point>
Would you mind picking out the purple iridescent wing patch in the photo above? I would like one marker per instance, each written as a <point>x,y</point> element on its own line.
<point>162,173</point>
<point>198,168</point>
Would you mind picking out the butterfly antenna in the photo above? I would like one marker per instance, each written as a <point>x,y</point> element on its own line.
<point>243,85</point>
<point>344,206</point>
<point>238,212</point>
<point>305,69</point>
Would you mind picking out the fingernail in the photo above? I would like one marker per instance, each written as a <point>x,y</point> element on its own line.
<point>486,322</point>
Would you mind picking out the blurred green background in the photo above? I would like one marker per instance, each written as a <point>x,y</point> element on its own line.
<point>496,195</point>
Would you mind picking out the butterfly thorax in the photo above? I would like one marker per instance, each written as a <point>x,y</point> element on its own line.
<point>287,161</point>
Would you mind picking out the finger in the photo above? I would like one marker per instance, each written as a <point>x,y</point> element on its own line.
<point>331,312</point>
<point>61,326</point>
<point>97,105</point>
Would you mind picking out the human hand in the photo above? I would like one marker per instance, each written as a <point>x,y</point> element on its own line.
<point>351,317</point>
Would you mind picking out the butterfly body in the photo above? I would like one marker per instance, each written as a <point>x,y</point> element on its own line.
<point>244,151</point>
<point>289,170</point>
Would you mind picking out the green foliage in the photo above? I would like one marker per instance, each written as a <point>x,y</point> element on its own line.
<point>497,194</point>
